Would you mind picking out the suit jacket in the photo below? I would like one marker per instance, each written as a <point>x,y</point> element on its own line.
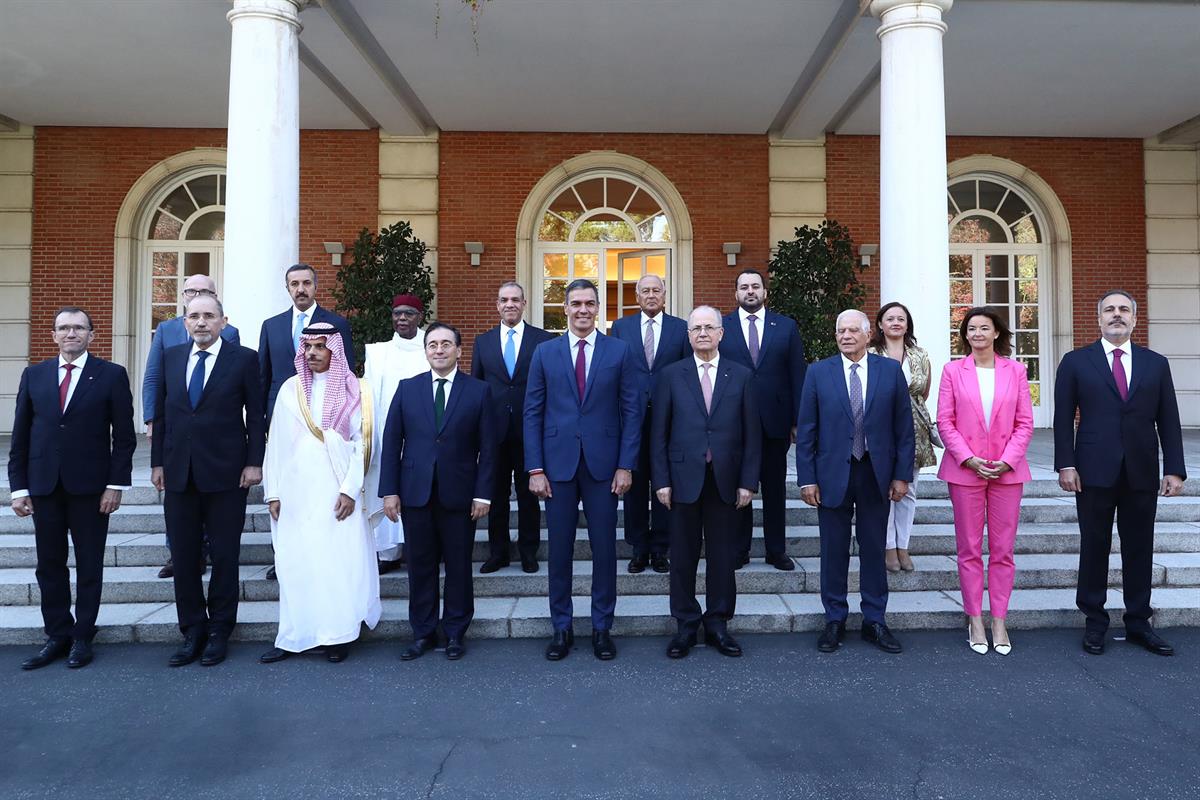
<point>168,334</point>
<point>673,345</point>
<point>779,376</point>
<point>277,356</point>
<point>507,393</point>
<point>825,428</point>
<point>606,427</point>
<point>461,455</point>
<point>87,447</point>
<point>683,431</point>
<point>224,434</point>
<point>1006,435</point>
<point>1113,431</point>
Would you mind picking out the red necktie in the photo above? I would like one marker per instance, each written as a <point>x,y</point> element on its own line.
<point>581,368</point>
<point>64,387</point>
<point>1119,374</point>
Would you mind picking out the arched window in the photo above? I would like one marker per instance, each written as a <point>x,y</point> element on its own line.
<point>605,227</point>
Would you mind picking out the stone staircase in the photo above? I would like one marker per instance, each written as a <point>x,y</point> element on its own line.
<point>139,607</point>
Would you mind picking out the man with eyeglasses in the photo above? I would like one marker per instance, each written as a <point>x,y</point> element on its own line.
<point>169,333</point>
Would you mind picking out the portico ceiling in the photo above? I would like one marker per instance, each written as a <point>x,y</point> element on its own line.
<point>797,68</point>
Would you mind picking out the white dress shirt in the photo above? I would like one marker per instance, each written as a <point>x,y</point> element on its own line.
<point>214,350</point>
<point>449,384</point>
<point>712,373</point>
<point>1126,360</point>
<point>657,328</point>
<point>588,351</point>
<point>862,378</point>
<point>308,317</point>
<point>987,392</point>
<point>504,329</point>
<point>760,317</point>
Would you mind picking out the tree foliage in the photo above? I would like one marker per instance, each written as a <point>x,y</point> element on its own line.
<point>814,277</point>
<point>381,266</point>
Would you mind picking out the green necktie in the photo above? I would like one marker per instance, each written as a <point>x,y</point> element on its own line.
<point>439,403</point>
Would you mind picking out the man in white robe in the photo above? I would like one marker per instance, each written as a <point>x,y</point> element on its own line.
<point>313,478</point>
<point>388,363</point>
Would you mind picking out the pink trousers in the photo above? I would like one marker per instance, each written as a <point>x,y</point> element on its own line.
<point>999,504</point>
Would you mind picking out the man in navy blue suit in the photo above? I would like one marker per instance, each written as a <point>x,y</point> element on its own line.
<point>854,452</point>
<point>501,357</point>
<point>436,472</point>
<point>1126,402</point>
<point>208,447</point>
<point>656,340</point>
<point>705,463</point>
<point>769,344</point>
<point>169,333</point>
<point>70,458</point>
<point>583,423</point>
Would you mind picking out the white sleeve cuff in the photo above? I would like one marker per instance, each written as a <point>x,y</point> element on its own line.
<point>19,493</point>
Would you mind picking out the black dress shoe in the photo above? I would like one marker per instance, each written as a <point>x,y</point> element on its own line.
<point>81,654</point>
<point>455,649</point>
<point>215,651</point>
<point>492,564</point>
<point>831,637</point>
<point>742,561</point>
<point>419,648</point>
<point>681,644</point>
<point>560,646</point>
<point>602,646</point>
<point>271,573</point>
<point>1093,642</point>
<point>781,562</point>
<point>273,655</point>
<point>881,637</point>
<point>168,570</point>
<point>336,653</point>
<point>1147,639</point>
<point>54,649</point>
<point>390,565</point>
<point>638,563</point>
<point>529,564</point>
<point>726,645</point>
<point>659,563</point>
<point>189,651</point>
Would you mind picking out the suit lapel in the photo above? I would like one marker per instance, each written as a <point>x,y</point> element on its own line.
<point>692,379</point>
<point>1100,361</point>
<point>452,400</point>
<point>220,369</point>
<point>1002,379</point>
<point>601,349</point>
<point>838,375</point>
<point>733,334</point>
<point>524,354</point>
<point>47,384</point>
<point>873,378</point>
<point>87,379</point>
<point>970,384</point>
<point>720,386</point>
<point>569,363</point>
<point>1138,373</point>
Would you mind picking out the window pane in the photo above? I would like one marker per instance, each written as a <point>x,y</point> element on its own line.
<point>990,195</point>
<point>164,290</point>
<point>204,190</point>
<point>1035,393</point>
<point>957,348</point>
<point>656,229</point>
<point>208,227</point>
<point>1027,344</point>
<point>978,230</point>
<point>195,264</point>
<point>1027,317</point>
<point>179,204</point>
<point>587,265</point>
<point>1013,209</point>
<point>643,204</point>
<point>964,195</point>
<point>591,192</point>
<point>566,204</point>
<point>1026,231</point>
<point>1027,266</point>
<point>1033,367</point>
<point>960,266</point>
<point>656,265</point>
<point>619,192</point>
<point>554,265</point>
<point>1027,291</point>
<point>997,267</point>
<point>554,294</point>
<point>553,229</point>
<point>163,226</point>
<point>997,293</point>
<point>599,230</point>
<point>165,264</point>
<point>161,313</point>
<point>956,316</point>
<point>962,291</point>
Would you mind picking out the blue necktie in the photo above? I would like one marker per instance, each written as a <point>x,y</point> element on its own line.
<point>296,331</point>
<point>196,387</point>
<point>510,352</point>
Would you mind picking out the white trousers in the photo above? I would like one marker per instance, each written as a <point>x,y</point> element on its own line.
<point>900,518</point>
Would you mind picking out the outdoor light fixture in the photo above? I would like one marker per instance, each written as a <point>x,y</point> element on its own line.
<point>475,249</point>
<point>731,250</point>
<point>865,251</point>
<point>335,249</point>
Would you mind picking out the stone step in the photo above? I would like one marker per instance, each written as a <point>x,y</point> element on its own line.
<point>150,519</point>
<point>18,586</point>
<point>150,549</point>
<point>640,615</point>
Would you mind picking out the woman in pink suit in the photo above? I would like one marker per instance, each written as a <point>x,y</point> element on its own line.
<point>985,418</point>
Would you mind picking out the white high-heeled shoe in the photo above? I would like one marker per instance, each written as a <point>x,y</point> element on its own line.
<point>980,648</point>
<point>1003,649</point>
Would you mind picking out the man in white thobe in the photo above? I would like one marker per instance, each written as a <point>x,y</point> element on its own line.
<point>388,363</point>
<point>313,477</point>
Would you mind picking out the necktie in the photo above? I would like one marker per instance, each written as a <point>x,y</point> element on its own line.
<point>196,387</point>
<point>1119,374</point>
<point>510,352</point>
<point>581,369</point>
<point>648,344</point>
<point>64,387</point>
<point>859,446</point>
<point>439,403</point>
<point>753,339</point>
<point>296,331</point>
<point>706,388</point>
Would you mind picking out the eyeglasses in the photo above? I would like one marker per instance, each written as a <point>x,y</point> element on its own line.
<point>704,329</point>
<point>401,313</point>
<point>198,292</point>
<point>79,329</point>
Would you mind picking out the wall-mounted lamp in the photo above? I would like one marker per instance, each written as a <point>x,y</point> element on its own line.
<point>865,251</point>
<point>475,249</point>
<point>731,250</point>
<point>335,250</point>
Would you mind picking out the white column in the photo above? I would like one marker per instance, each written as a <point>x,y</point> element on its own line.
<point>914,240</point>
<point>262,214</point>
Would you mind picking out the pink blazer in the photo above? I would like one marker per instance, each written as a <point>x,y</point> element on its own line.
<point>960,421</point>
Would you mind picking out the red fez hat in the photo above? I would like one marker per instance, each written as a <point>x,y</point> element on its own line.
<point>410,300</point>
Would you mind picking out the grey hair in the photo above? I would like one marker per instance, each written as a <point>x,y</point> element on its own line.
<point>714,311</point>
<point>512,284</point>
<point>213,297</point>
<point>866,321</point>
<point>658,278</point>
<point>1122,292</point>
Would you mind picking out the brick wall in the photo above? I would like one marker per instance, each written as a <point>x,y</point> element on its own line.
<point>1099,182</point>
<point>485,178</point>
<point>81,176</point>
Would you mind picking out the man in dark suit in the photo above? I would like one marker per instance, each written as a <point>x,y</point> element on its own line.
<point>70,458</point>
<point>705,464</point>
<point>769,344</point>
<point>437,473</point>
<point>854,452</point>
<point>656,340</point>
<point>1127,407</point>
<point>501,357</point>
<point>209,440</point>
<point>583,422</point>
